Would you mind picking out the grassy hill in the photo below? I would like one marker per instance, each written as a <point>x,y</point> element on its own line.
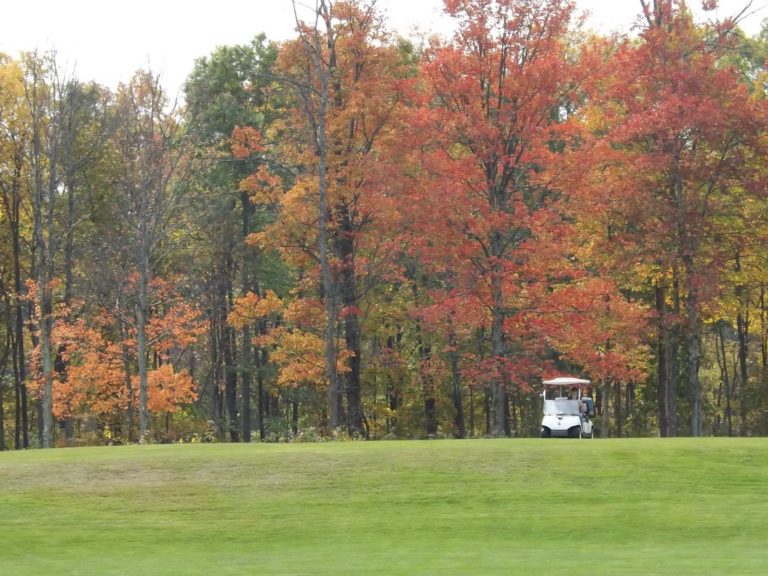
<point>612,507</point>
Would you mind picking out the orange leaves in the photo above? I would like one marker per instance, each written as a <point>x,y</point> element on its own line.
<point>262,186</point>
<point>245,142</point>
<point>177,327</point>
<point>96,358</point>
<point>168,389</point>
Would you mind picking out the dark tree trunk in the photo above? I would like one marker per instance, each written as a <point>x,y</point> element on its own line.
<point>230,383</point>
<point>742,323</point>
<point>742,327</point>
<point>471,412</point>
<point>245,375</point>
<point>3,368</point>
<point>726,381</point>
<point>673,360</point>
<point>295,414</point>
<point>430,416</point>
<point>497,350</point>
<point>605,405</point>
<point>507,416</point>
<point>228,350</point>
<point>487,409</point>
<point>428,390</point>
<point>458,403</point>
<point>662,384</point>
<point>246,351</point>
<point>262,363</point>
<point>345,246</point>
<point>764,358</point>
<point>393,386</point>
<point>215,336</point>
<point>20,373</point>
<point>130,412</point>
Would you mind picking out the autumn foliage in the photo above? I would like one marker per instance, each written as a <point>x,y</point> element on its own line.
<point>359,235</point>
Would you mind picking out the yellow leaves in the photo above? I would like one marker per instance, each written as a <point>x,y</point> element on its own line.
<point>300,355</point>
<point>252,307</point>
<point>296,343</point>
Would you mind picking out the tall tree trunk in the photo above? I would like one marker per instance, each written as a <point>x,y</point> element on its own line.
<point>605,396</point>
<point>228,346</point>
<point>662,384</point>
<point>261,392</point>
<point>295,413</point>
<point>69,248</point>
<point>471,412</point>
<point>131,411</point>
<point>487,403</point>
<point>722,361</point>
<point>764,357</point>
<point>345,245</point>
<point>673,360</point>
<point>497,351</point>
<point>21,434</point>
<point>693,346</point>
<point>687,252</point>
<point>329,287</point>
<point>7,352</point>
<point>316,113</point>
<point>742,323</point>
<point>458,404</point>
<point>742,327</point>
<point>43,204</point>
<point>427,387</point>
<point>11,197</point>
<point>215,370</point>
<point>246,351</point>
<point>393,387</point>
<point>142,311</point>
<point>230,383</point>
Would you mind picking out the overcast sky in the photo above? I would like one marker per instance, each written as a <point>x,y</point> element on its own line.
<point>107,40</point>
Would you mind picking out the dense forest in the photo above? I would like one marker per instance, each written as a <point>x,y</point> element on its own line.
<point>357,235</point>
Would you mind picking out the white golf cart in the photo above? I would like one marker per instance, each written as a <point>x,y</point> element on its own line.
<point>567,408</point>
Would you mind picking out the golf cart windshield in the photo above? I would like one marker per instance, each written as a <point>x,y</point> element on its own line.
<point>561,406</point>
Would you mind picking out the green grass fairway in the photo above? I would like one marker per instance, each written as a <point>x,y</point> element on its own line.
<point>529,507</point>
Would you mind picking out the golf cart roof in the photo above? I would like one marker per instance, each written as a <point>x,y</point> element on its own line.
<point>566,381</point>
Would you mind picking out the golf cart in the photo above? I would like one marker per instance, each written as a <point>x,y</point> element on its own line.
<point>567,408</point>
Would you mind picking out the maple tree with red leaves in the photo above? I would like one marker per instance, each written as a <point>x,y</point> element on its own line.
<point>676,129</point>
<point>491,216</point>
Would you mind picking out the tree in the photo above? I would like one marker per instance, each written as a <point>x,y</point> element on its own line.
<point>234,88</point>
<point>53,102</point>
<point>14,141</point>
<point>490,113</point>
<point>151,150</point>
<point>348,79</point>
<point>677,124</point>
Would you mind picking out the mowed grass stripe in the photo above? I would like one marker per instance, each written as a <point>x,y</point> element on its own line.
<point>645,506</point>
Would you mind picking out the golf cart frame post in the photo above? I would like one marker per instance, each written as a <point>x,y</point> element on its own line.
<point>567,408</point>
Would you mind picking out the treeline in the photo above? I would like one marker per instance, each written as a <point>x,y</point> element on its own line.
<point>352,234</point>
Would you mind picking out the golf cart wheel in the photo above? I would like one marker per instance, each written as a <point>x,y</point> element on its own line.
<point>545,433</point>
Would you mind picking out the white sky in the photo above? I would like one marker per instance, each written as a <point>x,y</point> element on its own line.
<point>108,40</point>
